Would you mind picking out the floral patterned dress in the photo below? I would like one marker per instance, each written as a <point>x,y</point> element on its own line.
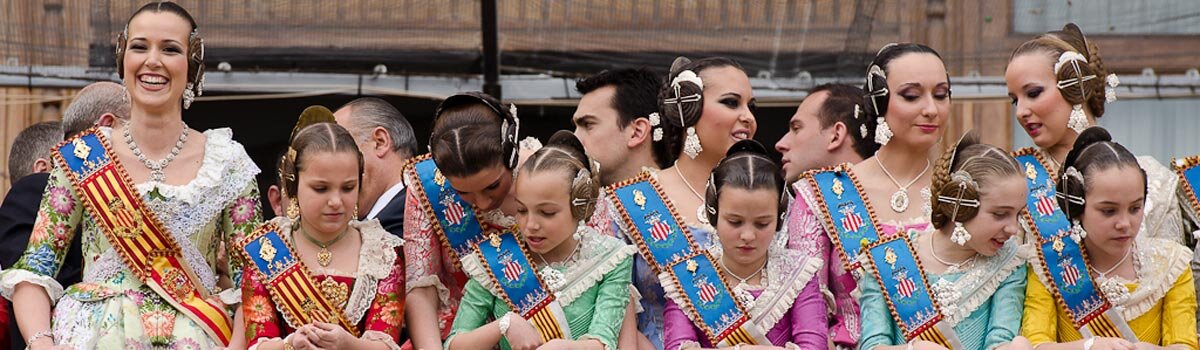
<point>371,298</point>
<point>111,308</point>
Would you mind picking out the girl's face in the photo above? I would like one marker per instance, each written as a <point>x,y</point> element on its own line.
<point>1112,210</point>
<point>487,189</point>
<point>1040,107</point>
<point>728,114</point>
<point>746,223</point>
<point>327,191</point>
<point>156,60</point>
<point>544,212</point>
<point>918,99</point>
<point>996,221</point>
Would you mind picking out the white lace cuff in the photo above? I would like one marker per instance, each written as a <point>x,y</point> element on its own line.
<point>635,298</point>
<point>263,340</point>
<point>9,279</point>
<point>231,296</point>
<point>435,282</point>
<point>688,345</point>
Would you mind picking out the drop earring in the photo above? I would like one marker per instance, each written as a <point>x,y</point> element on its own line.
<point>691,145</point>
<point>189,95</point>
<point>1078,120</point>
<point>883,133</point>
<point>293,211</point>
<point>960,235</point>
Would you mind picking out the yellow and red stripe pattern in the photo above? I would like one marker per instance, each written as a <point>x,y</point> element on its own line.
<point>141,241</point>
<point>932,334</point>
<point>1102,326</point>
<point>547,325</point>
<point>740,336</point>
<point>288,280</point>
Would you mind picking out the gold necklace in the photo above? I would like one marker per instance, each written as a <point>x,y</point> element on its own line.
<point>324,257</point>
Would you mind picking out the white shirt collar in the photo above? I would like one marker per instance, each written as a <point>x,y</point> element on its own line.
<point>384,199</point>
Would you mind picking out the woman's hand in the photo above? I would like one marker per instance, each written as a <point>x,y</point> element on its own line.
<point>521,334</point>
<point>1105,343</point>
<point>331,336</point>
<point>303,339</point>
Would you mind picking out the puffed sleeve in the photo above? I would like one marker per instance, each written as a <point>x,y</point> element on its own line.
<point>474,311</point>
<point>1039,323</point>
<point>239,219</point>
<point>1179,311</point>
<point>1005,313</point>
<point>878,328</point>
<point>385,317</point>
<point>809,320</point>
<point>262,321</point>
<point>59,213</point>
<point>611,303</point>
<point>678,331</point>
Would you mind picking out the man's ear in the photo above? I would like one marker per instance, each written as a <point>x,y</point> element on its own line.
<point>641,132</point>
<point>838,136</point>
<point>106,119</point>
<point>41,165</point>
<point>383,142</point>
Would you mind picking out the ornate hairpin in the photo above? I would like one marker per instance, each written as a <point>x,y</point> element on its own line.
<point>655,121</point>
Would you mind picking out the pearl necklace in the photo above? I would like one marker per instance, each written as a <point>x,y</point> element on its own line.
<point>743,294</point>
<point>555,279</point>
<point>701,216</point>
<point>156,166</point>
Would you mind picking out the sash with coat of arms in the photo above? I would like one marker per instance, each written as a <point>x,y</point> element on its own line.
<point>687,272</point>
<point>292,288</point>
<point>505,269</point>
<point>845,213</point>
<point>894,264</point>
<point>1188,170</point>
<point>1062,264</point>
<point>144,244</point>
<point>456,222</point>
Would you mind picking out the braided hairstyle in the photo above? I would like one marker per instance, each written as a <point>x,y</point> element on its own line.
<point>678,116</point>
<point>745,166</point>
<point>1094,151</point>
<point>875,104</point>
<point>473,131</point>
<point>564,153</point>
<point>195,43</point>
<point>319,137</point>
<point>962,176</point>
<point>1089,93</point>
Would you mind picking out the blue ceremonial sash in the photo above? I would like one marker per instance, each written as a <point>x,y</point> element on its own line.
<point>294,291</point>
<point>848,218</point>
<point>1189,177</point>
<point>669,249</point>
<point>894,264</point>
<point>457,224</point>
<point>1063,259</point>
<point>507,265</point>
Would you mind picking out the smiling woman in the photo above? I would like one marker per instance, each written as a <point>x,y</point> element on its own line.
<point>173,198</point>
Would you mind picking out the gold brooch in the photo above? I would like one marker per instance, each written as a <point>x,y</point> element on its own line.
<point>692,266</point>
<point>82,150</point>
<point>336,292</point>
<point>267,251</point>
<point>1030,172</point>
<point>176,283</point>
<point>438,178</point>
<point>640,199</point>
<point>889,255</point>
<point>494,240</point>
<point>837,188</point>
<point>127,223</point>
<point>1058,245</point>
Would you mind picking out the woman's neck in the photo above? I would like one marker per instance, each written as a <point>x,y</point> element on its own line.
<point>1102,260</point>
<point>154,133</point>
<point>903,162</point>
<point>745,270</point>
<point>696,171</point>
<point>947,249</point>
<point>562,252</point>
<point>1059,150</point>
<point>320,236</point>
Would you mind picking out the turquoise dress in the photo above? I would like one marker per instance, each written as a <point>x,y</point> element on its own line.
<point>983,303</point>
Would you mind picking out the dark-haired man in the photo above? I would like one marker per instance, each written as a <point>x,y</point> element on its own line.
<point>612,121</point>
<point>825,131</point>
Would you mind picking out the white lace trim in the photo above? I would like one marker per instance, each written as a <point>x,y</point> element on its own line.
<point>688,345</point>
<point>1163,216</point>
<point>635,299</point>
<point>378,336</point>
<point>436,283</point>
<point>788,272</point>
<point>600,255</point>
<point>1162,262</point>
<point>231,296</point>
<point>1155,254</point>
<point>10,278</point>
<point>978,283</point>
<point>72,324</point>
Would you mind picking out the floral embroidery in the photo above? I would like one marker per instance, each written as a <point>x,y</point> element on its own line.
<point>243,210</point>
<point>259,309</point>
<point>61,235</point>
<point>61,200</point>
<point>391,314</point>
<point>40,228</point>
<point>42,260</point>
<point>157,323</point>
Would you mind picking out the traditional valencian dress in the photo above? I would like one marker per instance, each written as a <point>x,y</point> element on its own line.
<point>431,208</point>
<point>178,229</point>
<point>591,288</point>
<point>809,233</point>
<point>982,302</point>
<point>371,300</point>
<point>1159,306</point>
<point>789,306</point>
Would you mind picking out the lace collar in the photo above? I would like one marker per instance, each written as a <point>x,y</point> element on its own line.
<point>1160,262</point>
<point>977,283</point>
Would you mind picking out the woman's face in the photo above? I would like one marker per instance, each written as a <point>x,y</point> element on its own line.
<point>746,223</point>
<point>728,114</point>
<point>544,211</point>
<point>1040,107</point>
<point>486,189</point>
<point>919,99</point>
<point>327,190</point>
<point>1112,210</point>
<point>996,221</point>
<point>156,60</point>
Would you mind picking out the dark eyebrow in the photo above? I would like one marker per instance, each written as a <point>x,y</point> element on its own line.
<point>583,118</point>
<point>734,94</point>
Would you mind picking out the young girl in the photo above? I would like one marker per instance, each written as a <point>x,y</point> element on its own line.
<point>1059,86</point>
<point>976,273</point>
<point>774,284</point>
<point>587,272</point>
<point>1103,192</point>
<point>353,270</point>
<point>908,102</point>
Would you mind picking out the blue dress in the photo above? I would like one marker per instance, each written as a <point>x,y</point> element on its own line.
<point>983,303</point>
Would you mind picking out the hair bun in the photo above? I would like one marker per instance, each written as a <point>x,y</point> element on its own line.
<point>746,146</point>
<point>678,65</point>
<point>1086,138</point>
<point>312,115</point>
<point>568,139</point>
